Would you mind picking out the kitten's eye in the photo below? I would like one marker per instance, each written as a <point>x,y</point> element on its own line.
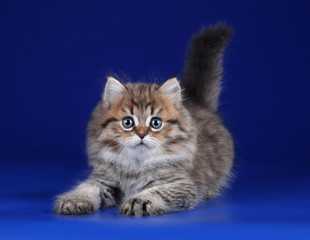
<point>128,122</point>
<point>156,123</point>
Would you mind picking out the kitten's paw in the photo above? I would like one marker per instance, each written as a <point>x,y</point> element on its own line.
<point>139,207</point>
<point>74,204</point>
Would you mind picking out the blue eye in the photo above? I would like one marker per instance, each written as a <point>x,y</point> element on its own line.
<point>156,123</point>
<point>128,122</point>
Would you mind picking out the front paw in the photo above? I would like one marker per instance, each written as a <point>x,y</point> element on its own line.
<point>138,206</point>
<point>73,204</point>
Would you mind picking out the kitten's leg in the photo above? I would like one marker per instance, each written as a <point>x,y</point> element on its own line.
<point>161,199</point>
<point>87,197</point>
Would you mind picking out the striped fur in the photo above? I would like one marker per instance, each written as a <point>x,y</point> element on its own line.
<point>170,168</point>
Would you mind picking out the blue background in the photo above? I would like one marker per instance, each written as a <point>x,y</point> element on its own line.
<point>54,56</point>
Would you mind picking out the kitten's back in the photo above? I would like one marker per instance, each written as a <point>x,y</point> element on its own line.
<point>201,85</point>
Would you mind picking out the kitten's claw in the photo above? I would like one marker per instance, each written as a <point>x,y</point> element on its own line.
<point>139,207</point>
<point>73,204</point>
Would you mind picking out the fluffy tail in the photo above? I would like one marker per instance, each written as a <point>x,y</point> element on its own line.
<point>203,68</point>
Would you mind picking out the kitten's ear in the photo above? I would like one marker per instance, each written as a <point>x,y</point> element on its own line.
<point>113,89</point>
<point>171,88</point>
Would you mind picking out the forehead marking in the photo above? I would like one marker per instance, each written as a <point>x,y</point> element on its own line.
<point>148,120</point>
<point>156,111</point>
<point>126,110</point>
<point>136,120</point>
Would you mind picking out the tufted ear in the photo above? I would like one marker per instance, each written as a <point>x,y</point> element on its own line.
<point>171,88</point>
<point>113,89</point>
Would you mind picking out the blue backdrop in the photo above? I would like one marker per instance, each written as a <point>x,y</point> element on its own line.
<point>54,56</point>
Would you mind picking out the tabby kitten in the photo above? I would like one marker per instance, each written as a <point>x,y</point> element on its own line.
<point>156,149</point>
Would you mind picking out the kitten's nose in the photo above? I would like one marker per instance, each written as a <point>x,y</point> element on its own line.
<point>141,134</point>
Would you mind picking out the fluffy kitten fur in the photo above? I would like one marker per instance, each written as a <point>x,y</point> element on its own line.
<point>148,171</point>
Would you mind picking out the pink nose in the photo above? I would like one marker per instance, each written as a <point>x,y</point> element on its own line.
<point>141,134</point>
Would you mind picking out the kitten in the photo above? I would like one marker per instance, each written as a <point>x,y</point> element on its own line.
<point>153,149</point>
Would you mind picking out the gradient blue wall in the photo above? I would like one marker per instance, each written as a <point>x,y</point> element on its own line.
<point>54,56</point>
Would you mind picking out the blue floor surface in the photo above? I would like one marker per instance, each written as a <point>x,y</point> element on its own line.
<point>273,205</point>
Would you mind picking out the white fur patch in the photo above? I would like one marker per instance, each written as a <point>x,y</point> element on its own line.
<point>137,158</point>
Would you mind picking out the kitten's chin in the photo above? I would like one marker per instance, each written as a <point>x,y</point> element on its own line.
<point>142,150</point>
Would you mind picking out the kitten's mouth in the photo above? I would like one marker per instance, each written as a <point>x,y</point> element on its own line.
<point>142,144</point>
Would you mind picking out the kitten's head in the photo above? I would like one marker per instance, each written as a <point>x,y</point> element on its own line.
<point>140,122</point>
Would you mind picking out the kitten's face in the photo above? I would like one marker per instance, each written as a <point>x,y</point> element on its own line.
<point>143,121</point>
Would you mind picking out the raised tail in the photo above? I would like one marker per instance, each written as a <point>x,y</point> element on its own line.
<point>202,74</point>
